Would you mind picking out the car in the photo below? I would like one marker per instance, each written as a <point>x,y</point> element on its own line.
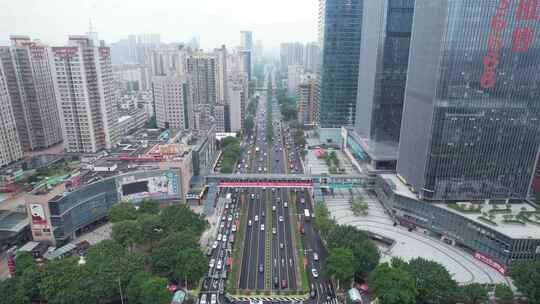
<point>219,237</point>
<point>283,262</point>
<point>224,239</point>
<point>285,204</point>
<point>252,196</point>
<point>314,272</point>
<point>315,256</point>
<point>274,231</point>
<point>302,200</point>
<point>212,263</point>
<point>313,291</point>
<point>213,299</point>
<point>229,218</point>
<point>233,228</point>
<point>219,265</point>
<point>261,268</point>
<point>283,284</point>
<point>262,227</point>
<point>249,223</point>
<point>203,299</point>
<point>256,218</point>
<point>221,225</point>
<point>276,282</point>
<point>263,214</point>
<point>265,169</point>
<point>214,246</point>
<point>273,208</point>
<point>281,218</point>
<point>281,245</point>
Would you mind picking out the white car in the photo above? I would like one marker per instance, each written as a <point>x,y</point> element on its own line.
<point>212,263</point>
<point>219,265</point>
<point>213,299</point>
<point>314,272</point>
<point>203,299</point>
<point>273,208</point>
<point>224,239</point>
<point>262,227</point>
<point>256,218</point>
<point>233,228</point>
<point>285,204</point>
<point>214,246</point>
<point>281,218</point>
<point>219,237</point>
<point>315,256</point>
<point>274,231</point>
<point>249,223</point>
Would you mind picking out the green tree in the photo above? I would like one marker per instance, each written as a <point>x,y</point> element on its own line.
<point>503,293</point>
<point>433,282</point>
<point>151,229</point>
<point>178,218</point>
<point>392,285</point>
<point>323,224</point>
<point>191,265</point>
<point>122,211</point>
<point>154,291</point>
<point>109,265</point>
<point>340,265</point>
<point>64,281</point>
<point>27,285</point>
<point>127,233</point>
<point>11,292</point>
<point>149,206</point>
<point>526,277</point>
<point>473,293</point>
<point>134,287</point>
<point>23,261</point>
<point>249,124</point>
<point>366,255</point>
<point>164,256</point>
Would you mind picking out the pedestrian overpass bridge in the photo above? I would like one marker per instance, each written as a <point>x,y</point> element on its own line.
<point>322,181</point>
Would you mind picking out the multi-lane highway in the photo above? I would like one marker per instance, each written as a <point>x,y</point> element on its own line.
<point>269,253</point>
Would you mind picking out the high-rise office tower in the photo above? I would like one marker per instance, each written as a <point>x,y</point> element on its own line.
<point>470,120</point>
<point>164,61</point>
<point>258,50</point>
<point>291,53</point>
<point>384,55</point>
<point>172,102</point>
<point>83,82</point>
<point>312,57</point>
<point>10,146</point>
<point>341,26</point>
<point>246,40</point>
<point>307,95</point>
<point>246,62</point>
<point>30,83</point>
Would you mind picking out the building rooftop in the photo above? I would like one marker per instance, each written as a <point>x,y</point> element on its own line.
<point>378,151</point>
<point>512,228</point>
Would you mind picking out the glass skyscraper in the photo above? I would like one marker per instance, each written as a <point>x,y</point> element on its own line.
<point>384,55</point>
<point>340,31</point>
<point>470,127</point>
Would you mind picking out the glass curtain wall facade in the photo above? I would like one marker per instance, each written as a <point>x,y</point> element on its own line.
<point>386,34</point>
<point>470,121</point>
<point>342,28</point>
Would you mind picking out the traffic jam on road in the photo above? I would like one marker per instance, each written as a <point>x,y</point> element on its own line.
<point>270,220</point>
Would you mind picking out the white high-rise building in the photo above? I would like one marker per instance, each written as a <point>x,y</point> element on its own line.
<point>221,77</point>
<point>291,53</point>
<point>203,73</point>
<point>237,101</point>
<point>246,40</point>
<point>312,57</point>
<point>30,83</point>
<point>10,147</point>
<point>172,102</point>
<point>83,82</point>
<point>294,77</point>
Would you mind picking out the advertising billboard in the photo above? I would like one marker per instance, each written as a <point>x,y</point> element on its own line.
<point>39,221</point>
<point>160,185</point>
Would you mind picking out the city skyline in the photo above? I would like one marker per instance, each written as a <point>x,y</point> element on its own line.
<point>176,21</point>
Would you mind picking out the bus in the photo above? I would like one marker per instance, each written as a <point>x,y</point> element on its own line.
<point>306,214</point>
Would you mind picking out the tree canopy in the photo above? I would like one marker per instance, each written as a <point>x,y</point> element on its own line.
<point>191,265</point>
<point>164,256</point>
<point>122,211</point>
<point>340,265</point>
<point>154,291</point>
<point>392,285</point>
<point>433,282</point>
<point>526,276</point>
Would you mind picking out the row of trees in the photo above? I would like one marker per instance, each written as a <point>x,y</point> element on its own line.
<point>269,126</point>
<point>230,146</point>
<point>149,246</point>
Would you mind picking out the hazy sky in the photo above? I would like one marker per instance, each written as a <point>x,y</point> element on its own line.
<point>214,21</point>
